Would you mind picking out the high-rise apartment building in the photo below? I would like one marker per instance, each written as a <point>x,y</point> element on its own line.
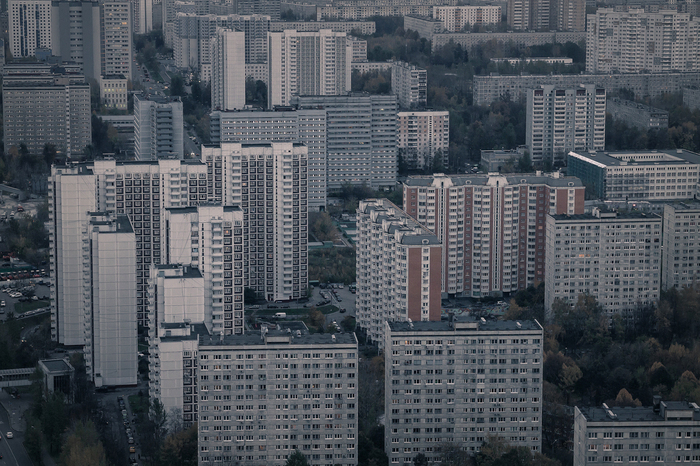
<point>410,85</point>
<point>116,32</point>
<point>456,18</point>
<point>645,176</point>
<point>307,63</point>
<point>109,299</point>
<point>210,238</point>
<point>662,433</point>
<point>305,126</point>
<point>519,14</point>
<point>29,26</point>
<point>452,399</point>
<point>41,109</point>
<point>142,191</point>
<point>613,256</point>
<point>680,243</point>
<point>491,226</point>
<point>568,15</point>
<point>421,136</point>
<point>270,183</point>
<point>228,70</point>
<point>399,267</point>
<point>269,8</point>
<point>261,397</point>
<point>634,41</point>
<point>75,29</point>
<point>158,129</point>
<point>176,321</point>
<point>142,16</point>
<point>560,120</point>
<point>195,34</point>
<point>360,138</point>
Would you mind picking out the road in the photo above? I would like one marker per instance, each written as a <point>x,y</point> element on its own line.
<point>347,303</point>
<point>12,450</point>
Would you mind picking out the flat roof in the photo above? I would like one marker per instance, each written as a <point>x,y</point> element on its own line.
<point>56,365</point>
<point>627,158</point>
<point>641,413</point>
<point>481,325</point>
<point>483,180</point>
<point>276,337</point>
<point>620,215</point>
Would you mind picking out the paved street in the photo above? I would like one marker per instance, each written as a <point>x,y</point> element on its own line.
<point>12,450</point>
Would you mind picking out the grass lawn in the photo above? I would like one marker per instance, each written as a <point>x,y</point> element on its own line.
<point>142,348</point>
<point>30,306</point>
<point>139,404</point>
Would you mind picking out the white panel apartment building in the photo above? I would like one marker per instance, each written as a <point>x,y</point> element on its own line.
<point>454,18</point>
<point>419,135</point>
<point>491,227</point>
<point>275,213</point>
<point>263,396</point>
<point>560,120</point>
<point>158,128</point>
<point>305,126</point>
<point>116,37</point>
<point>613,256</point>
<point>307,63</point>
<point>681,264</point>
<point>176,320</point>
<point>634,41</point>
<point>399,268</point>
<point>29,26</point>
<point>109,299</point>
<point>410,85</point>
<point>141,190</point>
<point>228,70</point>
<point>460,381</point>
<point>210,238</point>
<point>665,433</point>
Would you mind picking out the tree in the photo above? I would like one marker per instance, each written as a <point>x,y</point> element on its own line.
<point>54,420</point>
<point>83,446</point>
<point>624,398</point>
<point>297,459</point>
<point>32,443</point>
<point>451,454</point>
<point>317,318</point>
<point>177,86</point>
<point>180,448</point>
<point>420,460</point>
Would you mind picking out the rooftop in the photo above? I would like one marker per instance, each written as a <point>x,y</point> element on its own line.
<point>466,323</point>
<point>666,411</point>
<point>192,209</point>
<point>549,179</point>
<point>296,337</point>
<point>196,331</point>
<point>601,214</point>
<point>56,365</point>
<point>635,105</point>
<point>625,158</point>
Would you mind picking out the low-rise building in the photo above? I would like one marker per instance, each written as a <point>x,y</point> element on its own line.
<point>365,28</point>
<point>369,66</point>
<point>464,379</point>
<point>425,26</point>
<point>665,433</point>
<point>613,256</point>
<point>637,114</point>
<point>492,161</point>
<point>58,376</point>
<point>516,39</point>
<point>691,97</point>
<point>681,225</point>
<point>650,176</point>
<point>263,396</point>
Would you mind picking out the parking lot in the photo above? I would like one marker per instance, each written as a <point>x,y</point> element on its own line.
<point>8,295</point>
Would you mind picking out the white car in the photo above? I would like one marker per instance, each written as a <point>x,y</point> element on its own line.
<point>2,303</point>
<point>9,435</point>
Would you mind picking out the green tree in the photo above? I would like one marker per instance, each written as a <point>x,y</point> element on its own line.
<point>420,460</point>
<point>83,446</point>
<point>451,454</point>
<point>297,459</point>
<point>180,448</point>
<point>33,443</point>
<point>177,86</point>
<point>54,420</point>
